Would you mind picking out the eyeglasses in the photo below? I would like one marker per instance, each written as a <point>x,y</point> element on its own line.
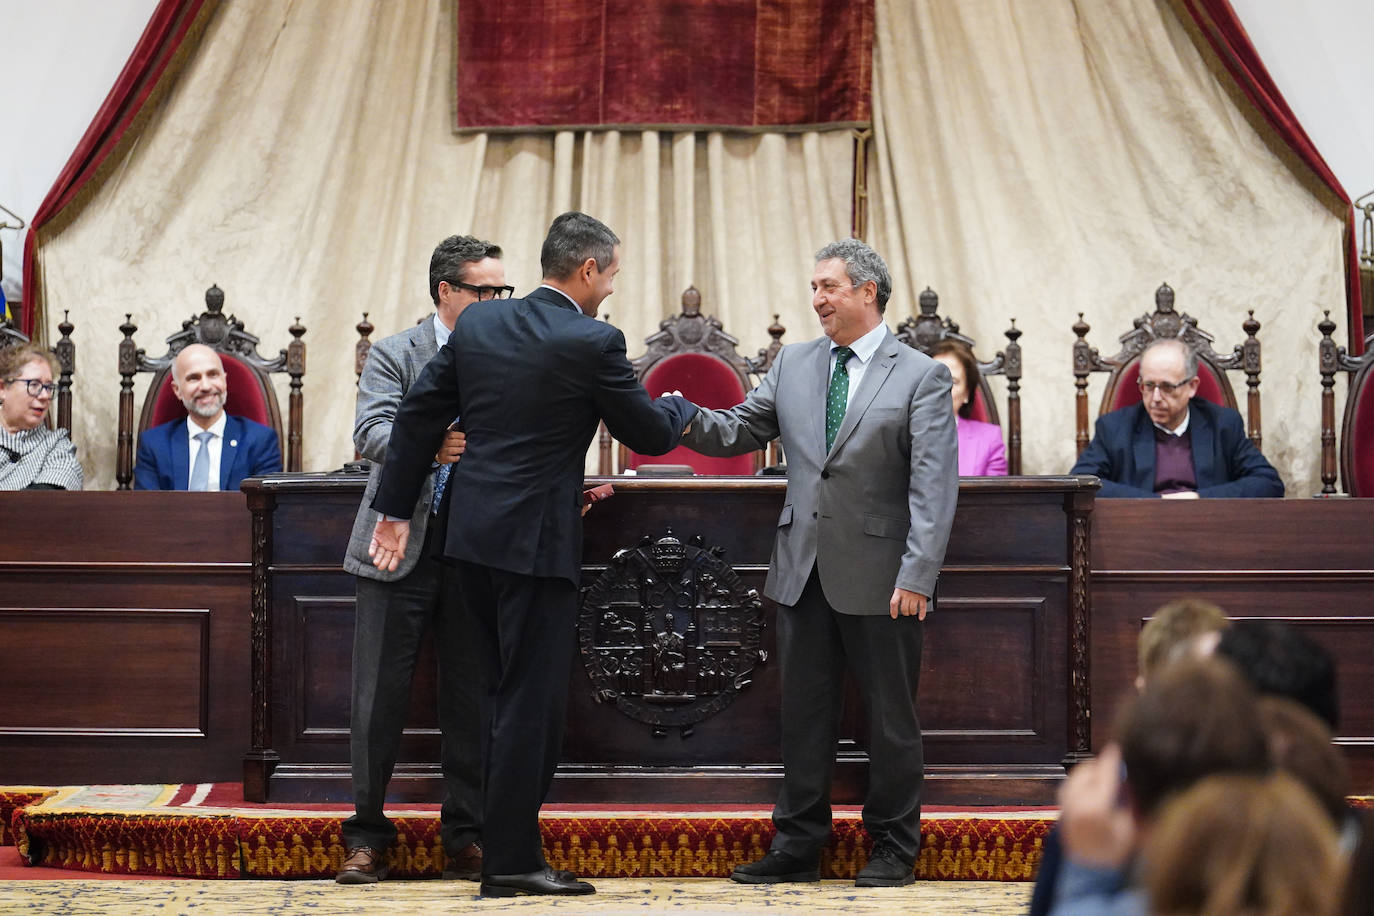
<point>1165,388</point>
<point>35,386</point>
<point>483,293</point>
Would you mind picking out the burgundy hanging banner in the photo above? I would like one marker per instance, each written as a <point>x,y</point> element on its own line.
<point>734,64</point>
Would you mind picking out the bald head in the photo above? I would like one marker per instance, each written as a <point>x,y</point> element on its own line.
<point>199,383</point>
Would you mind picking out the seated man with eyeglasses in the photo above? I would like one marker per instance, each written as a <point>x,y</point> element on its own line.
<point>1173,444</point>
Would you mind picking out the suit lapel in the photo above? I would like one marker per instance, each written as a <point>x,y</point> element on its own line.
<point>1144,449</point>
<point>874,376</point>
<point>821,387</point>
<point>1204,458</point>
<point>229,449</point>
<point>181,456</point>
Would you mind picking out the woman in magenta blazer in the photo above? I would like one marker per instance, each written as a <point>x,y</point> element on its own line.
<point>981,452</point>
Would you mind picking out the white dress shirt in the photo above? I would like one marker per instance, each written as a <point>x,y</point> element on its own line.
<point>215,445</point>
<point>864,348</point>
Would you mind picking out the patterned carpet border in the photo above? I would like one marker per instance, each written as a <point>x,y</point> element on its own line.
<point>628,845</point>
<point>13,798</point>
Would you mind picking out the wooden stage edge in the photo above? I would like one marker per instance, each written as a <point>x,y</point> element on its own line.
<point>174,637</point>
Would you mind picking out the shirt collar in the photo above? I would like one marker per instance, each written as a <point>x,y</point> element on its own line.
<point>865,346</point>
<point>561,293</point>
<point>217,427</point>
<point>1182,427</point>
<point>441,331</point>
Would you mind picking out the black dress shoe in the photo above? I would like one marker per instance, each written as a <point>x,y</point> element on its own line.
<point>465,864</point>
<point>544,881</point>
<point>364,865</point>
<point>777,868</point>
<point>886,869</point>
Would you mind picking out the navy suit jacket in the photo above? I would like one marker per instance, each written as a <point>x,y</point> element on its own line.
<point>1225,461</point>
<point>530,378</point>
<point>249,449</point>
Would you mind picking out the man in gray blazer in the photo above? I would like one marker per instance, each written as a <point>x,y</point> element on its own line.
<point>867,428</point>
<point>395,609</point>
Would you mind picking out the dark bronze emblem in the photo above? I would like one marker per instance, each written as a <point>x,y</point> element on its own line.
<point>669,634</point>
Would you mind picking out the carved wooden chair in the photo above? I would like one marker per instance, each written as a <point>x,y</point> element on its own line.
<point>1124,366</point>
<point>247,373</point>
<point>691,353</point>
<point>926,330</point>
<point>1357,426</point>
<point>65,350</point>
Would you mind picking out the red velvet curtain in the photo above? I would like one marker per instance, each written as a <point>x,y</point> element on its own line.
<point>560,64</point>
<point>159,42</point>
<point>1224,32</point>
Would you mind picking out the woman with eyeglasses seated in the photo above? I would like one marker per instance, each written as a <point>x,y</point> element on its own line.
<point>32,457</point>
<point>981,452</point>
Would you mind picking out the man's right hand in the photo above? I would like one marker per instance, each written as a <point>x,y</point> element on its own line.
<point>452,448</point>
<point>389,543</point>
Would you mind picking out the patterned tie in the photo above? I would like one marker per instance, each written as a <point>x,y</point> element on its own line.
<point>200,471</point>
<point>838,397</point>
<point>440,484</point>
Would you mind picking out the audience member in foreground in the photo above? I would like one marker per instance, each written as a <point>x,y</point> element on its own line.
<point>1173,444</point>
<point>1280,660</point>
<point>32,457</point>
<point>981,451</point>
<point>210,449</point>
<point>1243,845</point>
<point>1182,628</point>
<point>1197,718</point>
<point>394,610</point>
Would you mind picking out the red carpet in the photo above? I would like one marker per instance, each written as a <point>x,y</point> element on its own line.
<point>209,832</point>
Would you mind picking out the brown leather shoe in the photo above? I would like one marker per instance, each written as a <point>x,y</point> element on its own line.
<point>465,864</point>
<point>364,865</point>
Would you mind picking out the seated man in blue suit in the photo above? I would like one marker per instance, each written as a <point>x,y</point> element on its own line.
<point>209,450</point>
<point>1175,445</point>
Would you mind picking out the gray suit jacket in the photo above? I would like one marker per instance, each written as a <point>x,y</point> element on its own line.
<point>874,513</point>
<point>392,366</point>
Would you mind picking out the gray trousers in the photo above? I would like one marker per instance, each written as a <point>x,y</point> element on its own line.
<point>816,646</point>
<point>391,619</point>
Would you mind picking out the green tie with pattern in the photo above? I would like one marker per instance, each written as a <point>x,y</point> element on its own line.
<point>838,397</point>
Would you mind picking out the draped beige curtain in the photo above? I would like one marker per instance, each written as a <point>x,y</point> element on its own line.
<point>1032,159</point>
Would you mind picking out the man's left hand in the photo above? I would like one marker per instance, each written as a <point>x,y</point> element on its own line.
<point>905,604</point>
<point>452,448</point>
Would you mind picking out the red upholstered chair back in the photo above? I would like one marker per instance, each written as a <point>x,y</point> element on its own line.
<point>705,380</point>
<point>1357,437</point>
<point>978,409</point>
<point>928,332</point>
<point>248,377</point>
<point>1127,388</point>
<point>246,396</point>
<point>1123,367</point>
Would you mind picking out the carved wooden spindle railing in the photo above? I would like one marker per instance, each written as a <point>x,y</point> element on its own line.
<point>364,345</point>
<point>1250,364</point>
<point>1084,357</point>
<point>66,358</point>
<point>1333,359</point>
<point>128,365</point>
<point>772,454</point>
<point>1012,364</point>
<point>295,367</point>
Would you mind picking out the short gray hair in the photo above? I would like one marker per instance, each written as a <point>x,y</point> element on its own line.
<point>1189,355</point>
<point>573,238</point>
<point>862,264</point>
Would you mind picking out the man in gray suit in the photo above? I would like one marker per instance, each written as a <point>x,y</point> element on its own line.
<point>868,431</point>
<point>395,609</point>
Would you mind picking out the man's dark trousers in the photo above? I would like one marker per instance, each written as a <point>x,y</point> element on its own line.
<point>390,621</point>
<point>526,629</point>
<point>816,645</point>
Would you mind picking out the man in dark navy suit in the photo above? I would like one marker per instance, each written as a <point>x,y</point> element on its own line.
<point>210,449</point>
<point>530,378</point>
<point>1174,444</point>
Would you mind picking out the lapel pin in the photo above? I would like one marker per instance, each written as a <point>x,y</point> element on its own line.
<point>233,443</point>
